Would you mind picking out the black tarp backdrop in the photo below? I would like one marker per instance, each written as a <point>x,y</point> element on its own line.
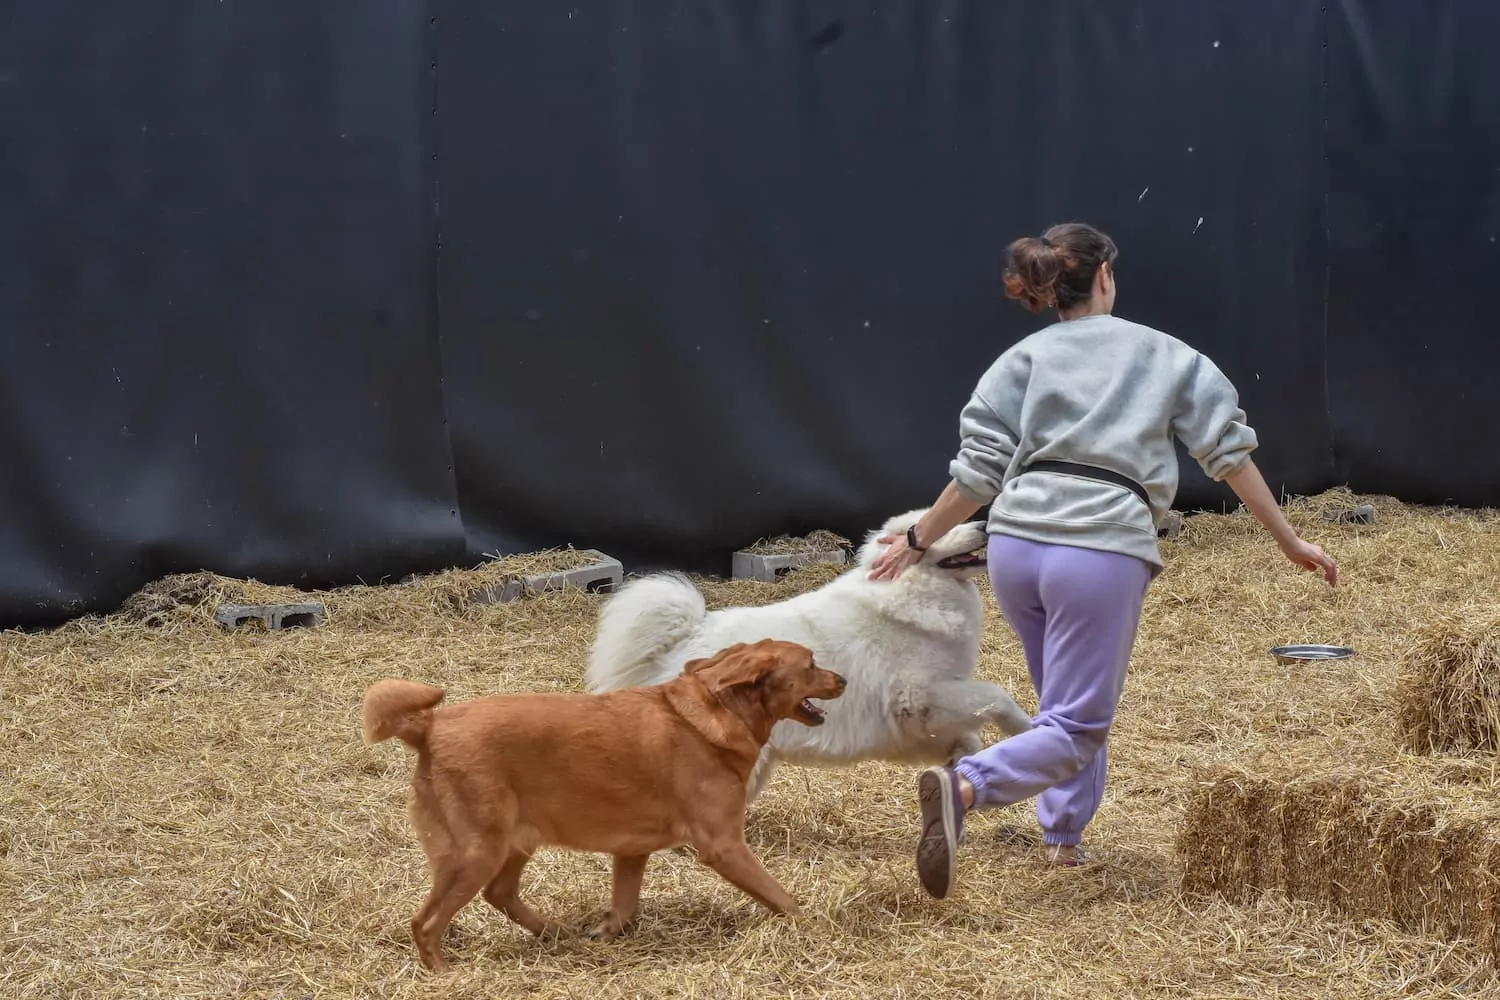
<point>219,344</point>
<point>749,264</point>
<point>348,290</point>
<point>1414,220</point>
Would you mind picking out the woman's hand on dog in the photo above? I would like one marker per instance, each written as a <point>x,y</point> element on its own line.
<point>950,510</point>
<point>895,559</point>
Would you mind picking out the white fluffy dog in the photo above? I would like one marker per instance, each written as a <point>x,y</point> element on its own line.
<point>907,647</point>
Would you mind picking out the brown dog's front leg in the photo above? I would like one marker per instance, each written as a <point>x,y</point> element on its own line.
<point>735,861</point>
<point>625,893</point>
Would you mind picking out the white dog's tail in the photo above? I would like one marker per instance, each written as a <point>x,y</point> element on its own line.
<point>640,623</point>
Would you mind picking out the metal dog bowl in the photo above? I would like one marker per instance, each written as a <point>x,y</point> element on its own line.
<point>1310,653</point>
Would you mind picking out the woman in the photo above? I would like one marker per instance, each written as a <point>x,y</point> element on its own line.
<point>1070,436</point>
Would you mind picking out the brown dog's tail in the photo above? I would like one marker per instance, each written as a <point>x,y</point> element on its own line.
<point>402,709</point>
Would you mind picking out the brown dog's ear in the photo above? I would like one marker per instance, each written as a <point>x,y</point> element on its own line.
<point>704,662</point>
<point>741,665</point>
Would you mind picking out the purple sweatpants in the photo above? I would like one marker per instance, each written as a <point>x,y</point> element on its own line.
<point>1076,612</point>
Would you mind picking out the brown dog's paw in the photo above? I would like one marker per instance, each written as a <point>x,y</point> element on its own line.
<point>429,951</point>
<point>550,930</point>
<point>611,928</point>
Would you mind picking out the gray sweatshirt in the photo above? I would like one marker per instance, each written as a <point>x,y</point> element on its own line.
<point>1101,391</point>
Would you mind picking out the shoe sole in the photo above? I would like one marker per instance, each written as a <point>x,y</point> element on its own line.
<point>936,848</point>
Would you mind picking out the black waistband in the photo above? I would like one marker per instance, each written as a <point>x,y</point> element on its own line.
<point>1092,472</point>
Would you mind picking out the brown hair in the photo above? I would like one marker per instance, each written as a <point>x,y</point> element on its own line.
<point>1058,269</point>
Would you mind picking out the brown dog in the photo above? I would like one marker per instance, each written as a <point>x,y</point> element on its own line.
<point>625,773</point>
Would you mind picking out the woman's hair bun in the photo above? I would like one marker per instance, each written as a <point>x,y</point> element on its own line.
<point>1057,269</point>
<point>1031,272</point>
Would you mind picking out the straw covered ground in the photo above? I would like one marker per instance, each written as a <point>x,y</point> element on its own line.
<point>189,812</point>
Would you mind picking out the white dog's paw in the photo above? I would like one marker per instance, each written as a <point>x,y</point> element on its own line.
<point>964,746</point>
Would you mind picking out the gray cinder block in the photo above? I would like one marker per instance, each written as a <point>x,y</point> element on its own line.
<point>510,590</point>
<point>308,614</point>
<point>770,568</point>
<point>1171,525</point>
<point>1363,514</point>
<point>601,575</point>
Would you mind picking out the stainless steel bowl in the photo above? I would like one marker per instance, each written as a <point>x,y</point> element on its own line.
<point>1309,653</point>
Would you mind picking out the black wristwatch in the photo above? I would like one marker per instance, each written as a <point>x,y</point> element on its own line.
<point>911,540</point>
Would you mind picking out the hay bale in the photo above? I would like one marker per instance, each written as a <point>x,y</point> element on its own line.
<point>1416,847</point>
<point>818,540</point>
<point>555,560</point>
<point>1449,698</point>
<point>156,603</point>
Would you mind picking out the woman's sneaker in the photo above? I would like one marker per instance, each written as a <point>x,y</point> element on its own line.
<point>942,828</point>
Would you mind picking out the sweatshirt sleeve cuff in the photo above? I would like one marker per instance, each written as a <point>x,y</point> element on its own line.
<point>972,486</point>
<point>1231,452</point>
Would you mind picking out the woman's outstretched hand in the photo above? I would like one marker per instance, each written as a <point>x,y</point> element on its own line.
<point>1250,486</point>
<point>1311,557</point>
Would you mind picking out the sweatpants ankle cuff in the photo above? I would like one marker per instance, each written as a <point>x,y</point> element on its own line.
<point>1056,839</point>
<point>974,780</point>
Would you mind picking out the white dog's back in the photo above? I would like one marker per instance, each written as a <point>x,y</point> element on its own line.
<point>651,627</point>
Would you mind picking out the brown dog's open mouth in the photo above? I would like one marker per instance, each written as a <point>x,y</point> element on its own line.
<point>964,560</point>
<point>809,713</point>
